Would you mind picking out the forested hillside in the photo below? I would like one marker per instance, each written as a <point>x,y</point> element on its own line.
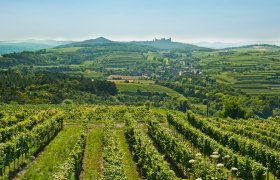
<point>26,86</point>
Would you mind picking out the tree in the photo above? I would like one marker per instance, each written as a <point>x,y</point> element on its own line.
<point>232,108</point>
<point>207,103</point>
<point>183,106</point>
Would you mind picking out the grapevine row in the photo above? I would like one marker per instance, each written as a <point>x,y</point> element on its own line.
<point>249,127</point>
<point>10,132</point>
<point>271,125</point>
<point>112,156</point>
<point>244,146</point>
<point>71,168</point>
<point>152,163</point>
<point>247,168</point>
<point>181,154</point>
<point>241,130</point>
<point>28,143</point>
<point>9,120</point>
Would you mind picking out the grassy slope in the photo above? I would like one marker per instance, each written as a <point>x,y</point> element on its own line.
<point>92,168</point>
<point>252,70</point>
<point>129,164</point>
<point>132,88</point>
<point>63,50</point>
<point>53,155</point>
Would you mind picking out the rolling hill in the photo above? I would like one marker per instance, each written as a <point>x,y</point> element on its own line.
<point>252,68</point>
<point>7,47</point>
<point>90,42</point>
<point>163,44</point>
<point>169,45</point>
<point>252,47</point>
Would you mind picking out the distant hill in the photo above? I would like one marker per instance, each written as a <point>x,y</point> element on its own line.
<point>223,45</point>
<point>7,47</point>
<point>255,47</point>
<point>103,44</point>
<point>166,44</point>
<point>90,42</point>
<point>112,54</point>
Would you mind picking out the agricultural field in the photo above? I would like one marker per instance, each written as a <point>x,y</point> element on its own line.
<point>253,69</point>
<point>142,86</point>
<point>74,106</point>
<point>129,142</point>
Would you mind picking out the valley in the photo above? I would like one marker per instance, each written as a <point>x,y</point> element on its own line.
<point>139,90</point>
<point>100,109</point>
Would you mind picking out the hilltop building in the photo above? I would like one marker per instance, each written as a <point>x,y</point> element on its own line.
<point>162,40</point>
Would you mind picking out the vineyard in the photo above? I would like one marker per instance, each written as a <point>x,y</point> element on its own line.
<point>129,142</point>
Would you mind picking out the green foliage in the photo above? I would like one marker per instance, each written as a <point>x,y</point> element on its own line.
<point>245,146</point>
<point>251,146</point>
<point>152,164</point>
<point>180,153</point>
<point>72,166</point>
<point>26,142</point>
<point>196,73</point>
<point>54,154</point>
<point>233,109</point>
<point>253,69</point>
<point>112,156</point>
<point>67,101</point>
<point>208,145</point>
<point>145,89</point>
<point>37,87</point>
<point>252,129</point>
<point>168,144</point>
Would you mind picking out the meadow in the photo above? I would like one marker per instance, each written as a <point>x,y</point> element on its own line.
<point>147,86</point>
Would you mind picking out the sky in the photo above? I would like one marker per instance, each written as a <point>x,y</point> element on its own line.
<point>126,20</point>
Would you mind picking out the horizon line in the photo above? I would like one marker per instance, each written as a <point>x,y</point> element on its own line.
<point>142,39</point>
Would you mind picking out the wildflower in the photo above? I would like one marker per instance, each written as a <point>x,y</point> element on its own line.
<point>191,161</point>
<point>215,153</point>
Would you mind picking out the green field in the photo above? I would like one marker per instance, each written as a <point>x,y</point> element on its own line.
<point>153,88</point>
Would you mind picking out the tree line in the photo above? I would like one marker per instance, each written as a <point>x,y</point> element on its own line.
<point>24,85</point>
